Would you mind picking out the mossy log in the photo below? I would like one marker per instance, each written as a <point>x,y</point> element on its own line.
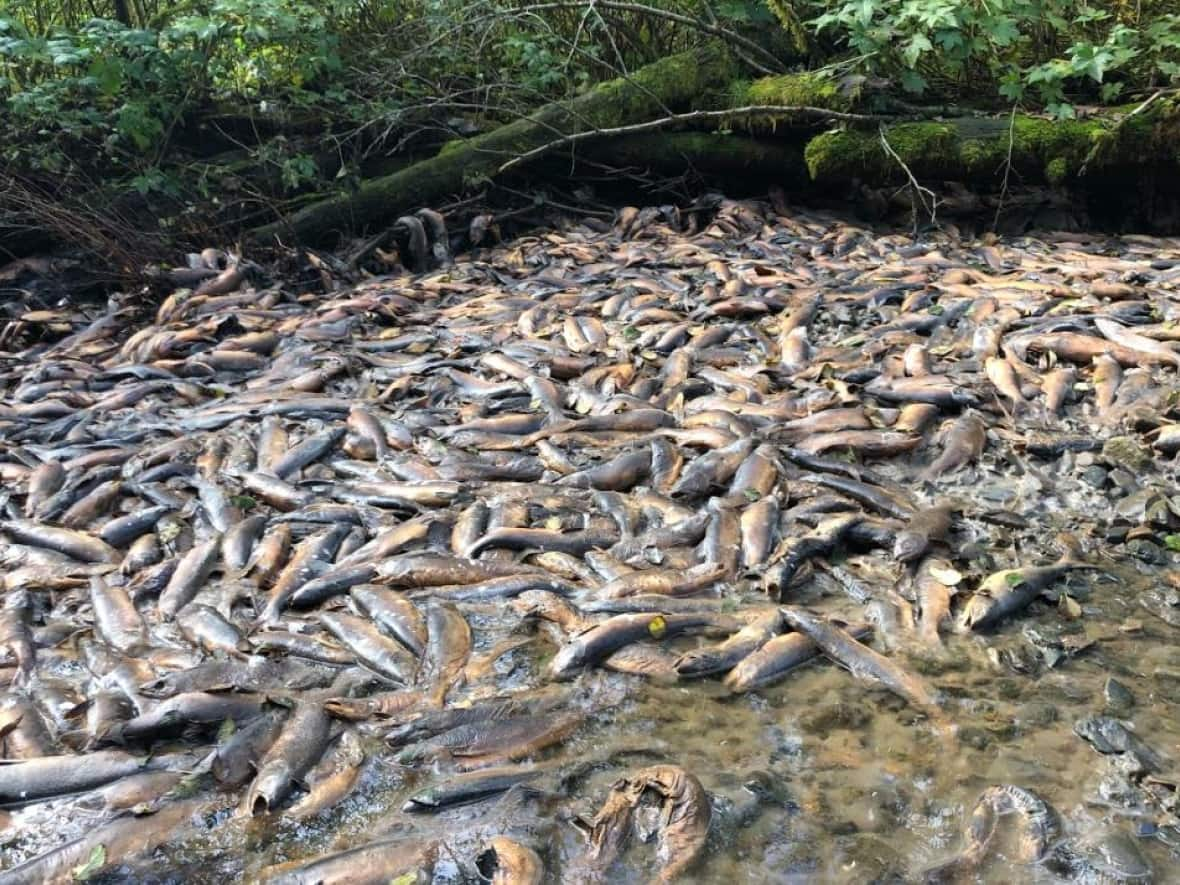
<point>673,82</point>
<point>975,151</point>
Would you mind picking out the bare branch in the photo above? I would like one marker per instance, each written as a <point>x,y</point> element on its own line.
<point>918,193</point>
<point>687,20</point>
<point>1007,168</point>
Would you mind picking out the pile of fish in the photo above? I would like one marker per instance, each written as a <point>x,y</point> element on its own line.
<point>368,586</point>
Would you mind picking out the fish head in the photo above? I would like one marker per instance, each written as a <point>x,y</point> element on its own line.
<point>908,546</point>
<point>272,783</point>
<point>974,612</point>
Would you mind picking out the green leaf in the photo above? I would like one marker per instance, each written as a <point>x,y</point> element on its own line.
<point>1172,542</point>
<point>96,861</point>
<point>1111,91</point>
<point>107,74</point>
<point>919,43</point>
<point>1013,579</point>
<point>243,502</point>
<point>752,494</point>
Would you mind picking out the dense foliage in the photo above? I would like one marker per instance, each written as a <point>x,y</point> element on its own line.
<point>192,110</point>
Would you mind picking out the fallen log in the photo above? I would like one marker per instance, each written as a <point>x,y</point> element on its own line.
<point>687,111</point>
<point>653,91</point>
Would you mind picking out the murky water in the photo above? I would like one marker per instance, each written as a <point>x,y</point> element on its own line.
<point>819,778</point>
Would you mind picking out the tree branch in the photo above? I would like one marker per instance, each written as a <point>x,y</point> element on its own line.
<point>689,117</point>
<point>706,27</point>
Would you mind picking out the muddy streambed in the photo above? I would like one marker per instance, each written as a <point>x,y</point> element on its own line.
<point>416,579</point>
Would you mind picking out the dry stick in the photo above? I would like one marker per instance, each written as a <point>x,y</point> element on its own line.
<point>1007,169</point>
<point>690,116</point>
<point>916,190</point>
<point>706,27</point>
<point>1119,125</point>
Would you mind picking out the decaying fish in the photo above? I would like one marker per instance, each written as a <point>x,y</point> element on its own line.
<point>482,506</point>
<point>1035,822</point>
<point>1006,592</point>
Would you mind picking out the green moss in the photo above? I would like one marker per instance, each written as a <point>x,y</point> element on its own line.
<point>975,151</point>
<point>797,90</point>
<point>1056,170</point>
<point>930,149</point>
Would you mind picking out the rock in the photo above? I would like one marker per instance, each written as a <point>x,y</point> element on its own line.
<point>1095,476</point>
<point>1126,452</point>
<point>1118,697</point>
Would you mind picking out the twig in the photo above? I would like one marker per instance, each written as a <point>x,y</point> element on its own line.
<point>917,191</point>
<point>688,117</point>
<point>706,27</point>
<point>1117,126</point>
<point>1007,168</point>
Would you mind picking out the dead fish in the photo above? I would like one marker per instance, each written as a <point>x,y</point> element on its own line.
<point>671,582</point>
<point>1008,591</point>
<point>777,657</point>
<point>712,469</point>
<point>40,778</point>
<point>603,639</point>
<point>394,614</point>
<point>937,390</point>
<point>795,550</point>
<point>374,863</point>
<point>934,585</point>
<point>206,628</point>
<point>311,449</point>
<point>684,818</point>
<point>372,647</point>
<point>122,840</point>
<point>1003,378</point>
<point>928,525</point>
<point>447,649</point>
<point>759,524</point>
<point>190,575</point>
<point>962,442</point>
<point>473,786</point>
<point>189,711</point>
<point>1146,349</point>
<point>298,747</point>
<point>475,745</point>
<point>866,443</point>
<point>1037,828</point>
<point>507,862</point>
<point>116,618</point>
<point>75,544</point>
<point>235,760</point>
<point>575,542</point>
<point>685,815</point>
<point>728,654</point>
<point>862,661</point>
<point>1106,377</point>
<point>1059,386</point>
